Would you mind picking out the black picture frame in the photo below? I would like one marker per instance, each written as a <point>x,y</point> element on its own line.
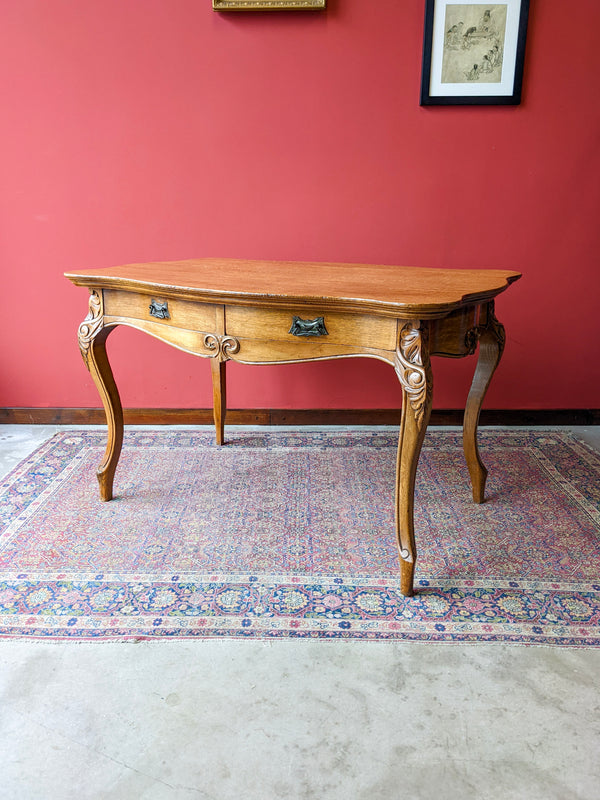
<point>457,70</point>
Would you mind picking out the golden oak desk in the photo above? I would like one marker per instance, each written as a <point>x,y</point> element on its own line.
<point>266,312</point>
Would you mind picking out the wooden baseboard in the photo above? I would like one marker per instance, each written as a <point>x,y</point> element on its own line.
<point>296,417</point>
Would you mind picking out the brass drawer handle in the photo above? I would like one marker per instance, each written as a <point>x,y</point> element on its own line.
<point>308,327</point>
<point>159,310</point>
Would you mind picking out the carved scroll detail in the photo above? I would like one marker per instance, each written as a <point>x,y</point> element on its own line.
<point>229,346</point>
<point>497,328</point>
<point>91,324</point>
<point>211,342</point>
<point>472,340</point>
<point>413,373</point>
<point>473,335</point>
<point>221,346</point>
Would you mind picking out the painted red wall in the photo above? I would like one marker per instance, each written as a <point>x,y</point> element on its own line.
<point>158,129</point>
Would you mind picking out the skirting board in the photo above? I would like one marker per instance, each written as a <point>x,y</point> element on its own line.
<point>279,416</point>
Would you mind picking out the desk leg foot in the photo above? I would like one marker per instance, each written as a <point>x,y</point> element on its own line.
<point>414,372</point>
<point>92,343</point>
<point>407,578</point>
<point>491,346</point>
<point>219,397</point>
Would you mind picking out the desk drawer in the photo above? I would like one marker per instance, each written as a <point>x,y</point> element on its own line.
<point>336,328</point>
<point>177,313</point>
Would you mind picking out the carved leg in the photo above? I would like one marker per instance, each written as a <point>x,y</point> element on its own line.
<point>414,372</point>
<point>92,343</point>
<point>491,346</point>
<point>219,397</point>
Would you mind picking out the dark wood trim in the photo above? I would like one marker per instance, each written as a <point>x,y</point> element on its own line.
<point>132,416</point>
<point>279,416</point>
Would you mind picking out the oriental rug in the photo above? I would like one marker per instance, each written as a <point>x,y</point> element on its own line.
<point>291,534</point>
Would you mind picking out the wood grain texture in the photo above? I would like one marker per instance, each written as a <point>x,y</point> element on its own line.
<point>219,384</point>
<point>263,324</point>
<point>182,313</point>
<point>491,346</point>
<point>92,337</point>
<point>413,368</point>
<point>411,292</point>
<point>257,351</point>
<point>455,336</point>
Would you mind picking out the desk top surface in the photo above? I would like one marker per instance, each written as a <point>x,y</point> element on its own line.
<point>380,289</point>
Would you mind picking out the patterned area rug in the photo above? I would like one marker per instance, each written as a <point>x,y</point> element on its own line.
<point>285,534</point>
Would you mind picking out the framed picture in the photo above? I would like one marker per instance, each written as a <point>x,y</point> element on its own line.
<point>266,5</point>
<point>473,52</point>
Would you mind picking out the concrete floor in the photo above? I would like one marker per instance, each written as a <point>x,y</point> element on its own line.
<point>294,719</point>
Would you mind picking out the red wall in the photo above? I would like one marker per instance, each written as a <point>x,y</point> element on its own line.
<point>141,130</point>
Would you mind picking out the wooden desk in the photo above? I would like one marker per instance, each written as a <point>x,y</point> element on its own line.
<point>260,312</point>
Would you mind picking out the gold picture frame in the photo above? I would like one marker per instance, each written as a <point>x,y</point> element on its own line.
<point>267,5</point>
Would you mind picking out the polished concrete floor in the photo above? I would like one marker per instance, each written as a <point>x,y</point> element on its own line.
<point>222,720</point>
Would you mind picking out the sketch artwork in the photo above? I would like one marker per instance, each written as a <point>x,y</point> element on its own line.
<point>474,43</point>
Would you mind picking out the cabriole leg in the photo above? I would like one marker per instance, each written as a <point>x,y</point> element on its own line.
<point>92,343</point>
<point>414,372</point>
<point>491,346</point>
